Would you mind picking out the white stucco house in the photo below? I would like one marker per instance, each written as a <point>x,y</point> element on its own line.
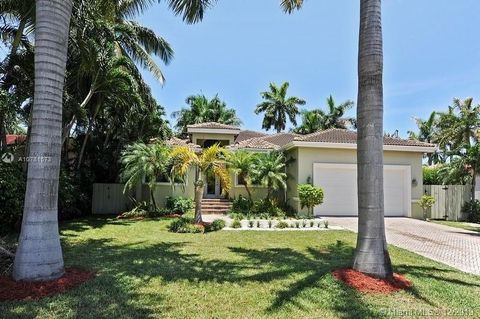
<point>326,158</point>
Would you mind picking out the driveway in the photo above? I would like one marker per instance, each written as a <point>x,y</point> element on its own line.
<point>452,246</point>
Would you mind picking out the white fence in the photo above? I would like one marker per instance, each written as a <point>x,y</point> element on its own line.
<point>109,199</point>
<point>449,200</point>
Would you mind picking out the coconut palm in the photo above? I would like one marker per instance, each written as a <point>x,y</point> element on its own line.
<point>212,161</point>
<point>460,124</point>
<point>277,107</point>
<point>371,255</point>
<point>200,110</point>
<point>241,162</point>
<point>39,254</point>
<point>145,161</point>
<point>319,119</point>
<point>269,170</point>
<point>427,132</point>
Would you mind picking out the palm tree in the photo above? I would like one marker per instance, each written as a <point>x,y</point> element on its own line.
<point>460,124</point>
<point>200,110</point>
<point>319,119</point>
<point>39,254</point>
<point>212,161</point>
<point>145,161</point>
<point>277,106</point>
<point>371,255</point>
<point>269,170</point>
<point>427,131</point>
<point>241,162</point>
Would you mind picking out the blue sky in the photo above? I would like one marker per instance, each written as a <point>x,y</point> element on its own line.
<point>431,53</point>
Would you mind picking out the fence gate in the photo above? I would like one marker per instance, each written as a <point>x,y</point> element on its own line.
<point>109,199</point>
<point>449,200</point>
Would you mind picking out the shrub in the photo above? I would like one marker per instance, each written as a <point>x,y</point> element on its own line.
<point>472,210</point>
<point>325,223</point>
<point>242,205</point>
<point>310,196</point>
<point>269,223</point>
<point>282,224</point>
<point>432,175</point>
<point>12,191</point>
<point>250,223</point>
<point>217,224</point>
<point>236,224</point>
<point>267,208</point>
<point>185,225</point>
<point>179,205</point>
<point>426,202</point>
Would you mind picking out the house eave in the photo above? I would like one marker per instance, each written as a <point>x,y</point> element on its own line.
<point>351,146</point>
<point>212,131</point>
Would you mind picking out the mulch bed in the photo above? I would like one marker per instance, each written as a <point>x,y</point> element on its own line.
<point>365,283</point>
<point>20,290</point>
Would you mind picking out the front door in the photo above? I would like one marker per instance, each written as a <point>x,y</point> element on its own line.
<point>213,187</point>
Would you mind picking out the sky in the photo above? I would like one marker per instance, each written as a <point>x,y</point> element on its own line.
<point>431,55</point>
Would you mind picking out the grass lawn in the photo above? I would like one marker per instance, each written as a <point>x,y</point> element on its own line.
<point>458,225</point>
<point>146,272</point>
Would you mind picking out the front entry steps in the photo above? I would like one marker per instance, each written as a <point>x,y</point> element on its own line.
<point>216,206</point>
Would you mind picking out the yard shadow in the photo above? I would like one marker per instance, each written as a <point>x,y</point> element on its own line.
<point>170,262</point>
<point>80,225</point>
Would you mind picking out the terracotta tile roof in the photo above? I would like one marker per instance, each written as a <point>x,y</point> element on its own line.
<point>13,139</point>
<point>273,142</point>
<point>347,136</point>
<point>175,141</point>
<point>214,125</point>
<point>255,143</point>
<point>281,139</point>
<point>247,134</point>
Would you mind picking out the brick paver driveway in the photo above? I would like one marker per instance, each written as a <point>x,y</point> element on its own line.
<point>453,246</point>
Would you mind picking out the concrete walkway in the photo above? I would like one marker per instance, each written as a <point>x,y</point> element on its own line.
<point>453,246</point>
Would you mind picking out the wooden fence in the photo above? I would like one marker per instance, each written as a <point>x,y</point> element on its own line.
<point>109,199</point>
<point>449,200</point>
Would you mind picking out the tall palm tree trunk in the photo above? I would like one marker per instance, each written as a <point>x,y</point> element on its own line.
<point>39,254</point>
<point>371,254</point>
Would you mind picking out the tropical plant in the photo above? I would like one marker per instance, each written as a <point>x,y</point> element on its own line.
<point>236,223</point>
<point>310,196</point>
<point>432,175</point>
<point>40,257</point>
<point>471,209</point>
<point>179,205</point>
<point>460,125</point>
<point>426,202</point>
<point>319,119</point>
<point>201,110</point>
<point>277,107</point>
<point>185,225</point>
<point>240,162</point>
<point>371,255</point>
<point>12,190</point>
<point>141,161</point>
<point>217,224</point>
<point>281,225</point>
<point>427,132</point>
<point>269,169</point>
<point>212,161</point>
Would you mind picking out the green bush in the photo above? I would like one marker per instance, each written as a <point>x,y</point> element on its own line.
<point>472,210</point>
<point>185,225</point>
<point>242,205</point>
<point>12,192</point>
<point>217,224</point>
<point>432,175</point>
<point>282,224</point>
<point>236,224</point>
<point>179,205</point>
<point>268,208</point>
<point>310,196</point>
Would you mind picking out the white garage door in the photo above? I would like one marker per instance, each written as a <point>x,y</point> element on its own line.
<point>339,183</point>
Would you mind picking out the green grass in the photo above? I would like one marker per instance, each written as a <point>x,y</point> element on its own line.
<point>146,272</point>
<point>457,225</point>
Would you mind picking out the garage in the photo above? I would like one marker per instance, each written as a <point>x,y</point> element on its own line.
<point>339,183</point>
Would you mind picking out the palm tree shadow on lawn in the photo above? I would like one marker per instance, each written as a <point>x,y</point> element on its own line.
<point>167,261</point>
<point>301,274</point>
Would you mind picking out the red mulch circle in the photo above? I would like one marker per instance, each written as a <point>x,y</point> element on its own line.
<point>366,283</point>
<point>21,290</point>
